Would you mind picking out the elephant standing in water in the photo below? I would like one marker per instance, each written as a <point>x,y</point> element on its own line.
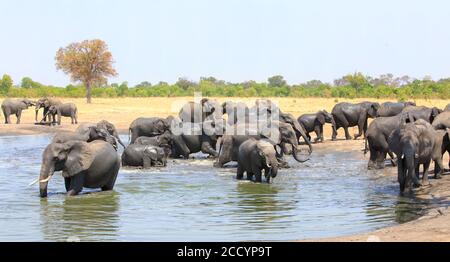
<point>15,107</point>
<point>229,146</point>
<point>144,156</point>
<point>104,125</point>
<point>348,115</point>
<point>315,123</point>
<point>90,134</point>
<point>417,144</point>
<point>152,126</point>
<point>46,103</point>
<point>255,156</point>
<point>89,165</point>
<point>198,112</point>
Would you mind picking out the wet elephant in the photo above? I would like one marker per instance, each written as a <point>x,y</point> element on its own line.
<point>230,142</point>
<point>442,121</point>
<point>15,107</point>
<point>348,115</point>
<point>422,112</point>
<point>144,156</point>
<point>89,165</point>
<point>151,126</point>
<point>254,156</point>
<point>198,112</point>
<point>236,112</point>
<point>105,125</point>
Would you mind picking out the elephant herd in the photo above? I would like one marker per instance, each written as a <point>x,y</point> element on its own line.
<point>52,108</point>
<point>258,138</point>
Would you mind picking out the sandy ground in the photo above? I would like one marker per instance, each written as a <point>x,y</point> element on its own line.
<point>433,227</point>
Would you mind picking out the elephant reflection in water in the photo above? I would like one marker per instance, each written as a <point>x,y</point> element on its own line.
<point>261,203</point>
<point>92,217</point>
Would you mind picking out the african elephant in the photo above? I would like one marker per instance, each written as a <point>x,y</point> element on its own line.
<point>315,123</point>
<point>422,112</point>
<point>255,156</point>
<point>348,115</point>
<point>15,107</point>
<point>152,126</point>
<point>417,144</point>
<point>89,165</point>
<point>198,112</point>
<point>236,112</point>
<point>144,156</point>
<point>164,141</point>
<point>66,110</point>
<point>442,121</point>
<point>46,103</point>
<point>105,125</point>
<point>392,109</point>
<point>89,134</point>
<point>230,142</point>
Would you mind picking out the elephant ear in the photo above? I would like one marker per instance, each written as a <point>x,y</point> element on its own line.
<point>79,157</point>
<point>321,118</point>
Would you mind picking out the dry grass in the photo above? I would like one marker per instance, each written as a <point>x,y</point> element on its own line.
<point>122,111</point>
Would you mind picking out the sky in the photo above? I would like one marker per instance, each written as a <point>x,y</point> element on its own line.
<point>233,40</point>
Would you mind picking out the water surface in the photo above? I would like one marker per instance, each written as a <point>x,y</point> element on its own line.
<point>332,195</point>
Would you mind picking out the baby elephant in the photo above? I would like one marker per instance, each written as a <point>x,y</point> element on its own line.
<point>144,156</point>
<point>66,110</point>
<point>255,156</point>
<point>164,141</point>
<point>315,123</point>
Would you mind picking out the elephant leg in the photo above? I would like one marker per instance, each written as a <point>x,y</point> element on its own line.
<point>76,185</point>
<point>438,168</point>
<point>334,135</point>
<point>426,167</point>
<point>6,115</point>
<point>67,183</point>
<point>147,161</point>
<point>380,160</point>
<point>114,171</point>
<point>44,116</point>
<point>317,131</point>
<point>18,115</point>
<point>372,159</point>
<point>347,133</point>
<point>240,173</point>
<point>249,175</point>
<point>258,176</point>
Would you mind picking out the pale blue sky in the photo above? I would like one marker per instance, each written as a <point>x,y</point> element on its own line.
<point>234,40</point>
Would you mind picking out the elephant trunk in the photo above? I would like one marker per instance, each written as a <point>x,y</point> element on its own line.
<point>274,169</point>
<point>297,156</point>
<point>302,133</point>
<point>118,139</point>
<point>44,176</point>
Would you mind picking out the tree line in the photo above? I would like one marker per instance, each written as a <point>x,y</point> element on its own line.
<point>355,85</point>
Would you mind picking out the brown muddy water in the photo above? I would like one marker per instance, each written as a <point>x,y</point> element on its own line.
<point>332,195</point>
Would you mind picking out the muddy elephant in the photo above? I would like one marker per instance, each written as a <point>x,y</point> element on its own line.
<point>89,165</point>
<point>392,109</point>
<point>254,156</point>
<point>64,110</point>
<point>184,145</point>
<point>144,156</point>
<point>46,103</point>
<point>152,126</point>
<point>315,123</point>
<point>236,112</point>
<point>105,125</point>
<point>15,107</point>
<point>89,134</point>
<point>230,143</point>
<point>422,112</point>
<point>417,144</point>
<point>348,115</point>
<point>442,121</point>
<point>164,141</point>
<point>198,112</point>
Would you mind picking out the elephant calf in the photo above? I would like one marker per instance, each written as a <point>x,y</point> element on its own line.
<point>15,107</point>
<point>255,156</point>
<point>66,110</point>
<point>144,156</point>
<point>315,123</point>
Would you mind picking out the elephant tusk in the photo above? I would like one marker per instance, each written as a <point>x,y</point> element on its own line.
<point>46,180</point>
<point>34,182</point>
<point>269,166</point>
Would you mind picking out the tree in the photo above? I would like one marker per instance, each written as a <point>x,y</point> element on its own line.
<point>5,84</point>
<point>121,89</point>
<point>276,81</point>
<point>185,83</point>
<point>27,83</point>
<point>89,62</point>
<point>357,81</point>
<point>143,84</point>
